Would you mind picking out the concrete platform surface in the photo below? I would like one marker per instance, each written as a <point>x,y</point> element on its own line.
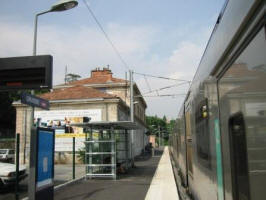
<point>163,184</point>
<point>131,186</point>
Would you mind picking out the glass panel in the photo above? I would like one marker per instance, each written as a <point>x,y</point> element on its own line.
<point>11,152</point>
<point>242,92</point>
<point>100,170</point>
<point>3,151</point>
<point>189,143</point>
<point>202,134</point>
<point>102,147</point>
<point>100,159</point>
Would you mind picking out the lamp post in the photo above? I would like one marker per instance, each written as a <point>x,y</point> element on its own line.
<point>61,5</point>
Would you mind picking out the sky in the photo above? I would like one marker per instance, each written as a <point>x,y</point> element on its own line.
<point>163,38</point>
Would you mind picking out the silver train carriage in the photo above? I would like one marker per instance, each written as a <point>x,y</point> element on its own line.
<point>218,146</point>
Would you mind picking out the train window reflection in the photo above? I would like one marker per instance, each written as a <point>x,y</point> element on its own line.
<point>202,133</point>
<point>239,162</point>
<point>242,89</point>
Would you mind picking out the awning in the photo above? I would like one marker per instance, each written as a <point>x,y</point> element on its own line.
<point>118,125</point>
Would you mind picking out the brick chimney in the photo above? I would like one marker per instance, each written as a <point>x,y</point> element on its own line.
<point>105,72</point>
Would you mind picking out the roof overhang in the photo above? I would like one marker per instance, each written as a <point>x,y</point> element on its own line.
<point>118,125</point>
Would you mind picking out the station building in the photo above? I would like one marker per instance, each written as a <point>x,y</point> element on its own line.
<point>101,97</point>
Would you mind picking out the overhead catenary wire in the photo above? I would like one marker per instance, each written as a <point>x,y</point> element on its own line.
<point>161,77</point>
<point>106,35</point>
<point>147,83</point>
<point>161,95</point>
<point>127,66</point>
<point>163,88</point>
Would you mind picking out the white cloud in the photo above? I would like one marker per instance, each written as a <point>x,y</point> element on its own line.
<point>181,64</point>
<point>86,48</point>
<point>81,50</point>
<point>185,59</point>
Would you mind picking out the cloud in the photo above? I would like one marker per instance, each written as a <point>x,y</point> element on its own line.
<point>185,59</point>
<point>181,64</point>
<point>81,50</point>
<point>85,48</point>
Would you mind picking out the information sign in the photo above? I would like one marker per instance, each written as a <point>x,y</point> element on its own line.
<point>41,176</point>
<point>45,158</point>
<point>34,101</point>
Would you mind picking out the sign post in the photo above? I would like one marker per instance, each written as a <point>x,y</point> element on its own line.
<point>34,101</point>
<point>41,180</point>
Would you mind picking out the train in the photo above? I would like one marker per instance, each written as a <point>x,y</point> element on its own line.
<point>218,144</point>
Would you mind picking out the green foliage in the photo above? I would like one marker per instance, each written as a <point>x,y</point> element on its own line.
<point>7,114</point>
<point>155,123</point>
<point>8,111</point>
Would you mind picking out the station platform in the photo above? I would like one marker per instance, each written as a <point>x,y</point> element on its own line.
<point>151,179</point>
<point>163,185</point>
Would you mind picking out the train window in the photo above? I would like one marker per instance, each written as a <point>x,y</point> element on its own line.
<point>189,142</point>
<point>242,97</point>
<point>202,134</point>
<point>239,156</point>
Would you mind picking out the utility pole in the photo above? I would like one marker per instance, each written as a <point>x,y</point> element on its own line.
<point>159,136</point>
<point>131,96</point>
<point>131,114</point>
<point>66,74</point>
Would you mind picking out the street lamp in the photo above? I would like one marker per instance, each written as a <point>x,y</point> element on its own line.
<point>61,5</point>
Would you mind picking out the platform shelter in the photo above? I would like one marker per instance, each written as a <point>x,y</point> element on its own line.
<point>108,148</point>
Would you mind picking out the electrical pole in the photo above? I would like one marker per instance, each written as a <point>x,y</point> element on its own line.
<point>131,114</point>
<point>159,135</point>
<point>66,74</point>
<point>131,96</point>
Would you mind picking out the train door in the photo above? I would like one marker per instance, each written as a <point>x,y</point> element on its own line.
<point>188,140</point>
<point>238,156</point>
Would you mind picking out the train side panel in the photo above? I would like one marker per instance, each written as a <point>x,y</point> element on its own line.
<point>221,135</point>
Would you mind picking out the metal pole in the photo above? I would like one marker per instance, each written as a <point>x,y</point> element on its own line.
<point>113,155</point>
<point>73,159</point>
<point>131,114</point>
<point>159,135</point>
<point>35,34</point>
<point>90,155</point>
<point>131,96</point>
<point>25,136</point>
<point>34,53</point>
<point>17,166</point>
<point>35,31</point>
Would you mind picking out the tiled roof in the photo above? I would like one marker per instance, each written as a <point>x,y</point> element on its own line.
<point>253,86</point>
<point>76,92</point>
<point>241,70</point>
<point>97,80</point>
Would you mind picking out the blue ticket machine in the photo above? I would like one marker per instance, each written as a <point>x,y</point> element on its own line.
<point>41,184</point>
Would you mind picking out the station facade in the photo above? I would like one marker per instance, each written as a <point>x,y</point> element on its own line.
<point>101,97</point>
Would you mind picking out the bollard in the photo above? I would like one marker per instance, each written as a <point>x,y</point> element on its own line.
<point>152,151</point>
<point>73,159</point>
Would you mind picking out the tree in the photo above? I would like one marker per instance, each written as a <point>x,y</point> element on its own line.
<point>8,114</point>
<point>166,128</point>
<point>154,123</point>
<point>8,111</point>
